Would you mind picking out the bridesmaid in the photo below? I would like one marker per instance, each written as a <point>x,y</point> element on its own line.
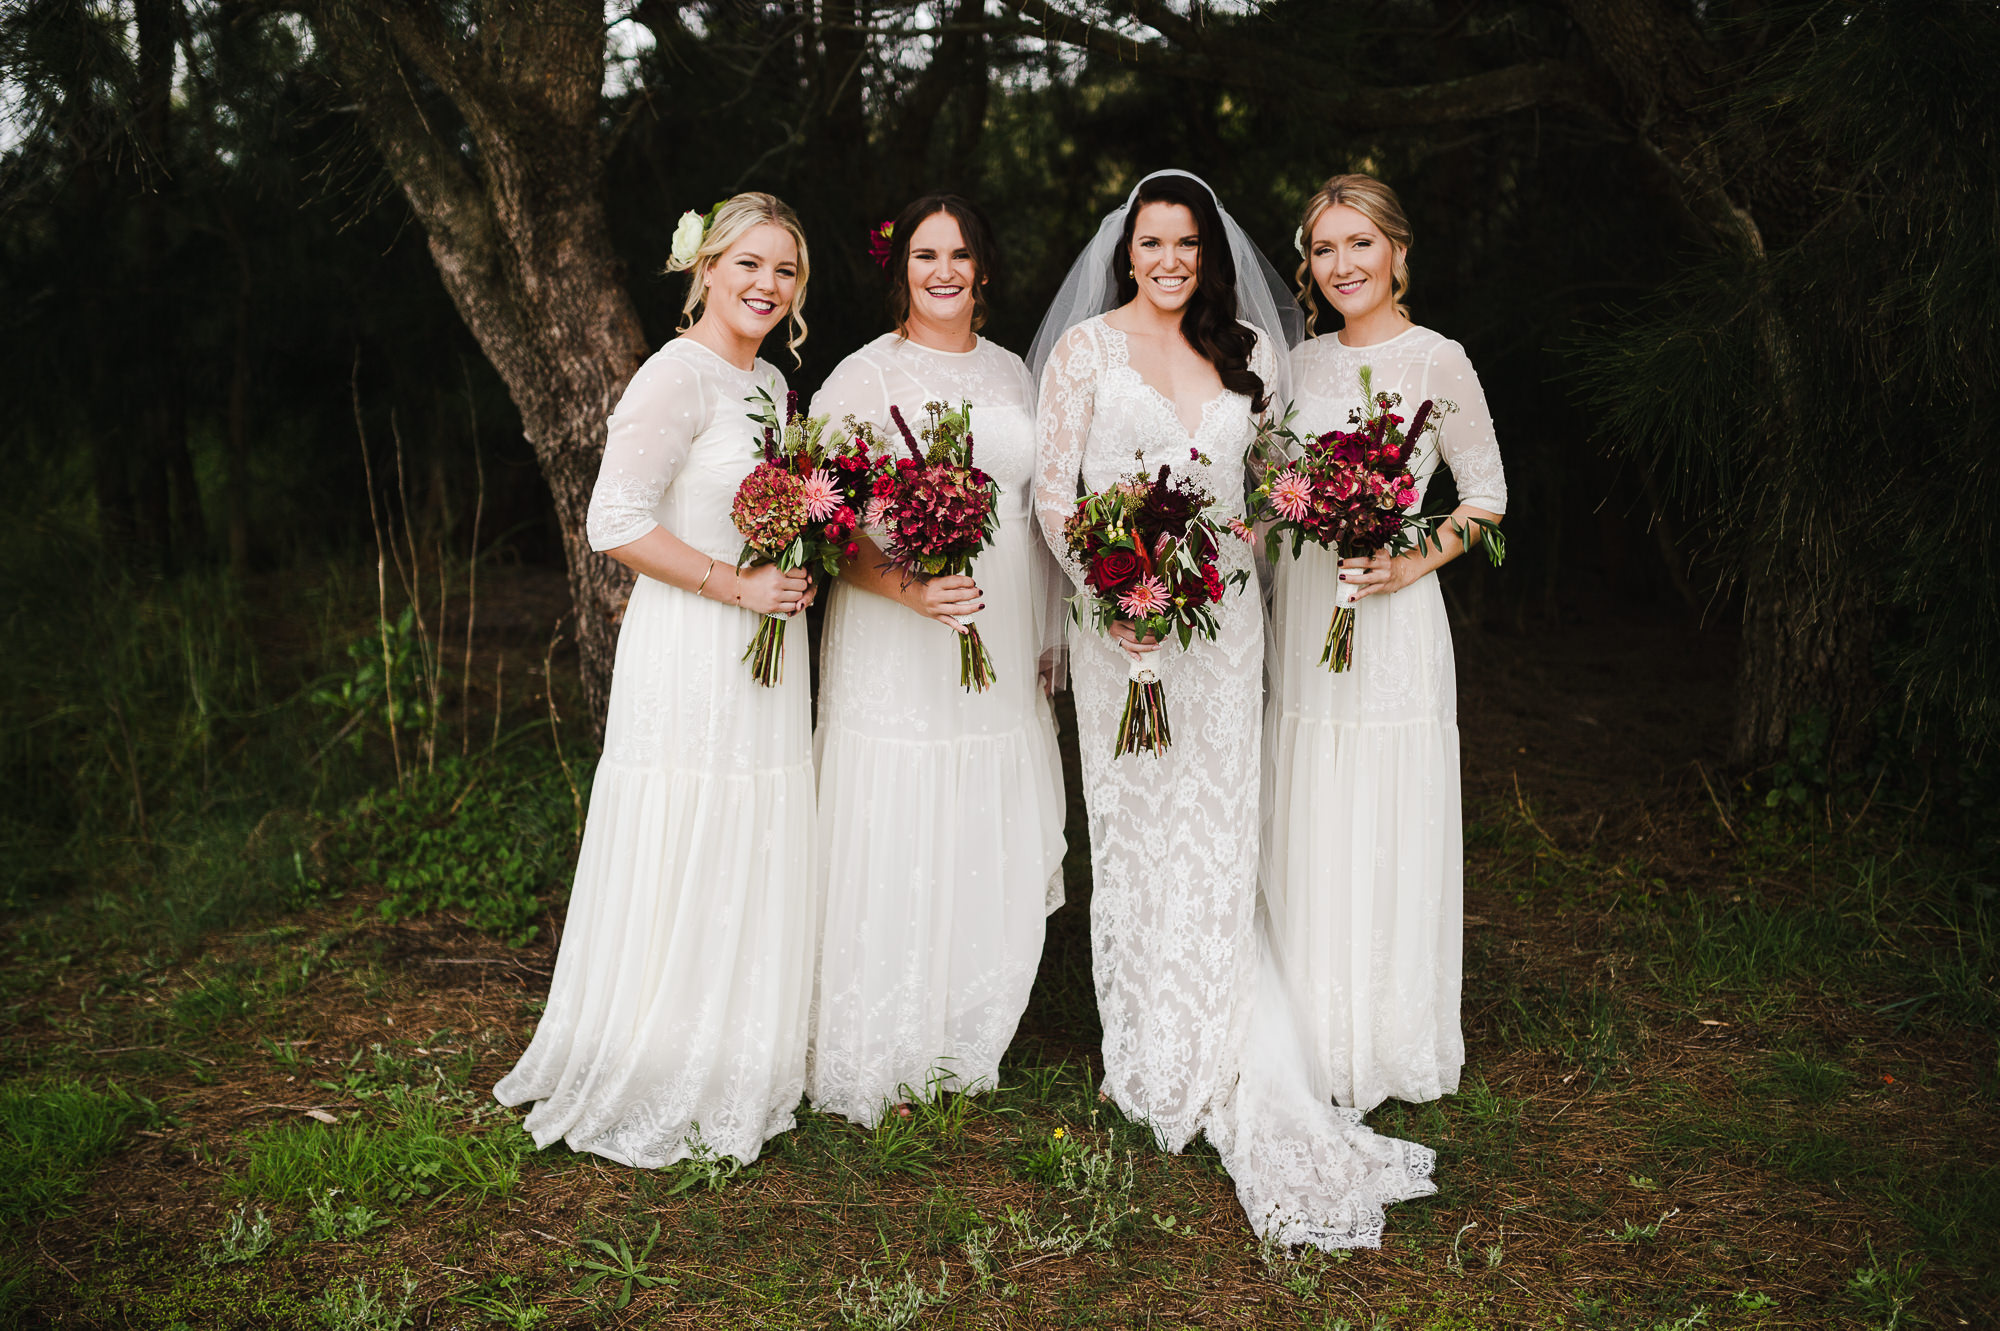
<point>1362,865</point>
<point>941,810</point>
<point>676,1022</point>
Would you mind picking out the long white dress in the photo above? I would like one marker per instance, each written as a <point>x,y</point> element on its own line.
<point>679,1001</point>
<point>940,810</point>
<point>1197,1035</point>
<point>1362,864</point>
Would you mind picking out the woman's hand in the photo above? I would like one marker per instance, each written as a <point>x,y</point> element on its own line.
<point>1369,574</point>
<point>1128,637</point>
<point>768,590</point>
<point>947,598</point>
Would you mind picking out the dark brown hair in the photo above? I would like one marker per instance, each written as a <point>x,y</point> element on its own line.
<point>1208,320</point>
<point>972,225</point>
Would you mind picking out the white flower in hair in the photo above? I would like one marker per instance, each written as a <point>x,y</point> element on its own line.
<point>1299,240</point>
<point>687,237</point>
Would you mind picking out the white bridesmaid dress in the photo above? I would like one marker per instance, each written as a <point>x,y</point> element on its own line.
<point>940,810</point>
<point>677,1014</point>
<point>1362,863</point>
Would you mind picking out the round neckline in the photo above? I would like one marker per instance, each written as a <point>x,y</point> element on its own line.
<point>697,342</point>
<point>1385,342</point>
<point>900,340</point>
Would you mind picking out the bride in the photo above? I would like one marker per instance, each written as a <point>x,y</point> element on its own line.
<point>1143,362</point>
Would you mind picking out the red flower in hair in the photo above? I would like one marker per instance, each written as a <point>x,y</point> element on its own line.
<point>881,243</point>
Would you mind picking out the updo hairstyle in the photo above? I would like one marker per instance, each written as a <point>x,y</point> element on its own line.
<point>972,225</point>
<point>1374,201</point>
<point>741,214</point>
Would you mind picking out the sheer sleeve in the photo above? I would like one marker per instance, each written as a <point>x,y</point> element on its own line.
<point>1062,428</point>
<point>855,388</point>
<point>647,442</point>
<point>1466,441</point>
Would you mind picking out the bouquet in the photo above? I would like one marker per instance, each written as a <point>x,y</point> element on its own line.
<point>1148,548</point>
<point>1351,491</point>
<point>796,509</point>
<point>938,511</point>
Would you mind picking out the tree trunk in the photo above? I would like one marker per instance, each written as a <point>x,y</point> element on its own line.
<point>517,229</point>
<point>1802,651</point>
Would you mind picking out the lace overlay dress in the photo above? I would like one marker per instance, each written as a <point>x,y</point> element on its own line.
<point>681,989</point>
<point>1362,864</point>
<point>940,811</point>
<point>1197,1035</point>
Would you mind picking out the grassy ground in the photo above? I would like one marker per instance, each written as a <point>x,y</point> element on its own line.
<point>1729,1066</point>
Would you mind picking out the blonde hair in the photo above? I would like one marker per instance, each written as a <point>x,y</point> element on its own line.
<point>737,217</point>
<point>1374,201</point>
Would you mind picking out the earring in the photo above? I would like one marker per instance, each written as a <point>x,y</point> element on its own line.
<point>1131,272</point>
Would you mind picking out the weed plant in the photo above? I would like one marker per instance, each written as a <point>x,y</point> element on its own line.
<point>486,838</point>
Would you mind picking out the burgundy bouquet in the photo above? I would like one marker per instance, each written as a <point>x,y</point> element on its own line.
<point>1351,491</point>
<point>796,509</point>
<point>1148,548</point>
<point>938,511</point>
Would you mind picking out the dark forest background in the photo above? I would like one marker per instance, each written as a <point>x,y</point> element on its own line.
<point>311,312</point>
<point>1727,269</point>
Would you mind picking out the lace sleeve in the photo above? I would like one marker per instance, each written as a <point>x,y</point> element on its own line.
<point>1466,442</point>
<point>647,441</point>
<point>1062,427</point>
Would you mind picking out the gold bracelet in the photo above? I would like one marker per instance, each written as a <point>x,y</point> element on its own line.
<point>705,577</point>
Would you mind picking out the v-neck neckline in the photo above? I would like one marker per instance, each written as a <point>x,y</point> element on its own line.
<point>1173,408</point>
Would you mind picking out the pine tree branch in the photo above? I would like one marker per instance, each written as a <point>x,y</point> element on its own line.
<point>1219,54</point>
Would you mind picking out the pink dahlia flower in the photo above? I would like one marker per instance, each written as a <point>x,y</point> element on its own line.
<point>1147,596</point>
<point>1291,497</point>
<point>821,495</point>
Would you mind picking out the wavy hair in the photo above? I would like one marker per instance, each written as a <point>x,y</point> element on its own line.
<point>737,217</point>
<point>972,225</point>
<point>1374,201</point>
<point>1208,320</point>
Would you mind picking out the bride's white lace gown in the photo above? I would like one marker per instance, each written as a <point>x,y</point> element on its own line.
<point>1197,1035</point>
<point>940,810</point>
<point>681,988</point>
<point>1362,858</point>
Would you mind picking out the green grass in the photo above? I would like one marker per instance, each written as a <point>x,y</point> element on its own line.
<point>426,1154</point>
<point>53,1135</point>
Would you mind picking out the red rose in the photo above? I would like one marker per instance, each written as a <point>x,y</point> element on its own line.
<point>1112,569</point>
<point>853,549</point>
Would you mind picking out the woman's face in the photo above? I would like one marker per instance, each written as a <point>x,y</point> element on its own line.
<point>1166,254</point>
<point>1353,263</point>
<point>751,284</point>
<point>941,273</point>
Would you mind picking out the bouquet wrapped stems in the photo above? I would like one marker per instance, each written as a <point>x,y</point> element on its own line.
<point>975,664</point>
<point>1143,726</point>
<point>766,652</point>
<point>1338,654</point>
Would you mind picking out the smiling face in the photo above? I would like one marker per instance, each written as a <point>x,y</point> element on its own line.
<point>1353,263</point>
<point>942,274</point>
<point>1166,254</point>
<point>751,285</point>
